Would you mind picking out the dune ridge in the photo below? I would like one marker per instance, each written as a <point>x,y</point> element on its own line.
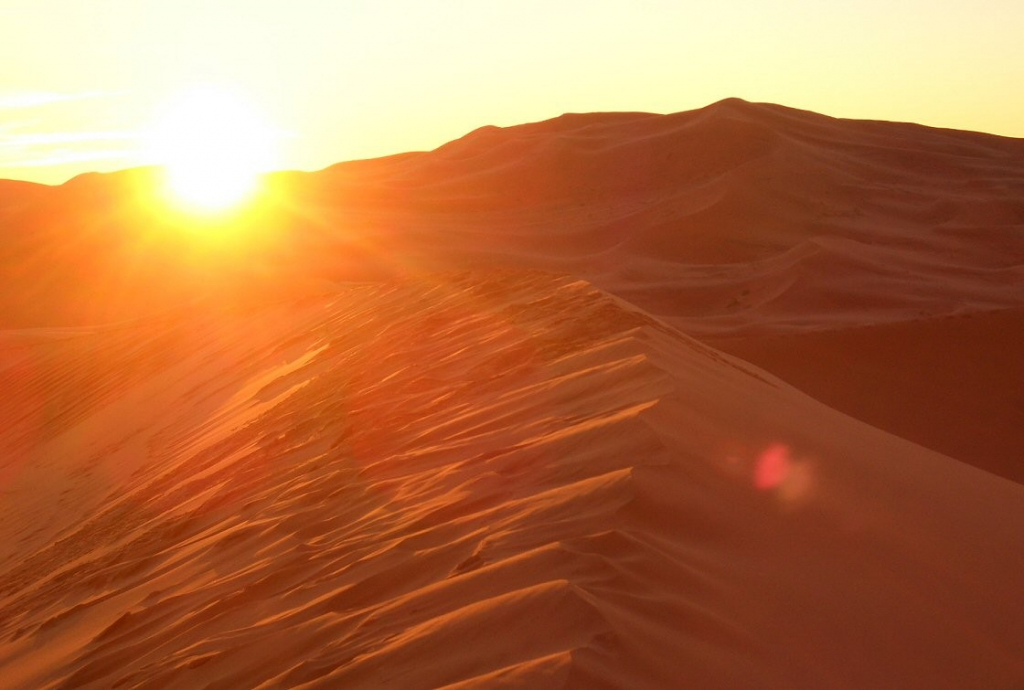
<point>337,499</point>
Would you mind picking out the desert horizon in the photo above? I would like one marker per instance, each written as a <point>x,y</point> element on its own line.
<point>156,168</point>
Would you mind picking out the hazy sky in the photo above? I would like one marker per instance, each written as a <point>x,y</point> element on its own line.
<point>352,78</point>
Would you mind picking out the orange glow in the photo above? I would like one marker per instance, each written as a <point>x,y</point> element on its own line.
<point>324,70</point>
<point>213,146</point>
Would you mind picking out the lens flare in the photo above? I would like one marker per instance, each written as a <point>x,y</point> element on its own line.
<point>773,467</point>
<point>777,471</point>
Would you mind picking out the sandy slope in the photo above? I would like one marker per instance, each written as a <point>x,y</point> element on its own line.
<point>475,480</point>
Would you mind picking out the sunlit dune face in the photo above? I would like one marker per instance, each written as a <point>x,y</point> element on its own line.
<point>213,146</point>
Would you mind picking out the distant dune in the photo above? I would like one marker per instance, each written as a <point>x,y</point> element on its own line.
<point>738,218</point>
<point>722,399</point>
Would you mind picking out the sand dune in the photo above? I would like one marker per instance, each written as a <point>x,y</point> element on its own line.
<point>734,223</point>
<point>321,452</point>
<point>478,480</point>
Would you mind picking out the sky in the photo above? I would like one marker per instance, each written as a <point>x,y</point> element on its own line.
<point>343,79</point>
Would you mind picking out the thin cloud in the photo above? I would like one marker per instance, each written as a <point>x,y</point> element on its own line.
<point>14,100</point>
<point>52,138</point>
<point>63,157</point>
<point>42,149</point>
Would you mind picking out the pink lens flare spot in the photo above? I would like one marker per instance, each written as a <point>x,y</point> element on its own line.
<point>773,467</point>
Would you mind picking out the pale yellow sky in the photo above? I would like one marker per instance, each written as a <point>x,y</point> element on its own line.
<point>351,79</point>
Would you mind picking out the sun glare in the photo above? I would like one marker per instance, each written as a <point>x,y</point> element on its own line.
<point>213,146</point>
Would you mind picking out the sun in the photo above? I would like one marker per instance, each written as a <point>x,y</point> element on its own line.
<point>213,145</point>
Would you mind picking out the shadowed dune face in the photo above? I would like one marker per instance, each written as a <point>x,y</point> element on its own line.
<point>953,384</point>
<point>475,479</point>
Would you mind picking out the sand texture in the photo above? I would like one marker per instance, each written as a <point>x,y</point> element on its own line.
<point>723,399</point>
